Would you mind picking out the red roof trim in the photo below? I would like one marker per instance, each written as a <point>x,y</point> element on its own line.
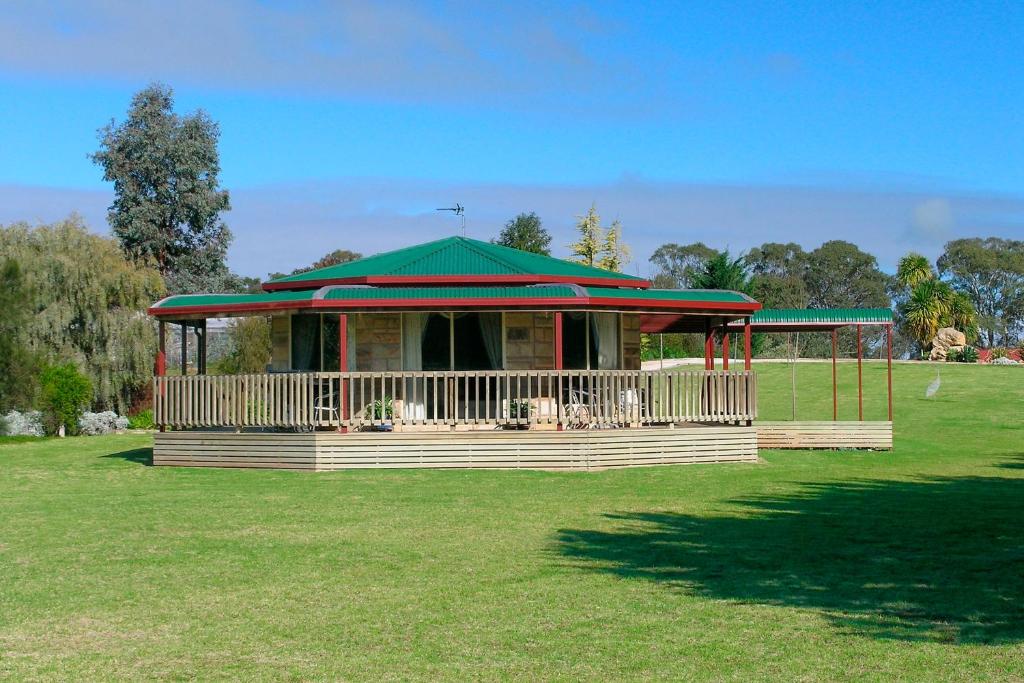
<point>448,304</point>
<point>460,280</point>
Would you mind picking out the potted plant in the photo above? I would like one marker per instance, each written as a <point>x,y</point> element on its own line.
<point>518,410</point>
<point>381,409</point>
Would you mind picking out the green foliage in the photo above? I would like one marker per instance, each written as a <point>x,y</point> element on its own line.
<point>142,420</point>
<point>248,346</point>
<point>598,246</point>
<point>87,305</point>
<point>997,353</point>
<point>679,264</point>
<point>331,259</point>
<point>840,275</point>
<point>167,196</point>
<point>19,365</point>
<point>913,269</point>
<point>65,394</point>
<point>518,409</point>
<point>381,409</point>
<point>969,354</point>
<point>722,271</point>
<point>526,232</point>
<point>990,273</point>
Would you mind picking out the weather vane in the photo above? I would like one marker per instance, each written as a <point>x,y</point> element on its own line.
<point>458,210</point>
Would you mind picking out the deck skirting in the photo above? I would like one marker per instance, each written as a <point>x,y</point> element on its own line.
<point>867,435</point>
<point>584,449</point>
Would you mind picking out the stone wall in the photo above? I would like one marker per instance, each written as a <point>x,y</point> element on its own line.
<point>377,341</point>
<point>529,341</point>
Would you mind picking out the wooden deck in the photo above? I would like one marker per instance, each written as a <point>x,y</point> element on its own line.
<point>866,435</point>
<point>578,449</point>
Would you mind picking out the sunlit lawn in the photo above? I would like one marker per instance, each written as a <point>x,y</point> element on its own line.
<point>810,565</point>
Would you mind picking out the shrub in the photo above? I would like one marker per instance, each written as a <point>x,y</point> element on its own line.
<point>142,420</point>
<point>95,424</point>
<point>998,352</point>
<point>65,394</point>
<point>22,424</point>
<point>381,409</point>
<point>953,356</point>
<point>968,354</point>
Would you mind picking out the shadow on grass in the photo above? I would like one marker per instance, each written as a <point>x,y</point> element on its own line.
<point>139,456</point>
<point>939,560</point>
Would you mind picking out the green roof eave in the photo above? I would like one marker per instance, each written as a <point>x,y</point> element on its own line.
<point>551,297</point>
<point>809,319</point>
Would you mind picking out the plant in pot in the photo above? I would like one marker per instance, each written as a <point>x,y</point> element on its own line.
<point>381,409</point>
<point>518,410</point>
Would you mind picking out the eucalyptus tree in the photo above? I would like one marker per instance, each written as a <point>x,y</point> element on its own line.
<point>526,232</point>
<point>167,197</point>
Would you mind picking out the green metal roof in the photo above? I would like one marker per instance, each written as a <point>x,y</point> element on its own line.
<point>454,256</point>
<point>438,297</point>
<point>822,316</point>
<point>687,295</point>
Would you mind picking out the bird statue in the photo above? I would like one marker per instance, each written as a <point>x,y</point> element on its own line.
<point>934,386</point>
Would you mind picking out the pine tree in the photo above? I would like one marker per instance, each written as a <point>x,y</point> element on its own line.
<point>587,250</point>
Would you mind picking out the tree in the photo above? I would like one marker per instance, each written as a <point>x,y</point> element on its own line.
<point>990,272</point>
<point>167,196</point>
<point>722,271</point>
<point>614,254</point>
<point>777,275</point>
<point>87,305</point>
<point>526,232</point>
<point>248,346</point>
<point>840,275</point>
<point>678,265</point>
<point>587,250</point>
<point>598,246</point>
<point>927,304</point>
<point>18,364</point>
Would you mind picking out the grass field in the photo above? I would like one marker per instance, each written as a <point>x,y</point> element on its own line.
<point>808,566</point>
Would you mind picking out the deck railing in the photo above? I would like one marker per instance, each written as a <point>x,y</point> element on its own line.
<point>387,400</point>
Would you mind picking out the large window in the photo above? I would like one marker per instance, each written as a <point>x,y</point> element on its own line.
<point>315,342</point>
<point>590,340</point>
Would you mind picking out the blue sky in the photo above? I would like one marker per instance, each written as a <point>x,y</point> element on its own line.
<point>346,124</point>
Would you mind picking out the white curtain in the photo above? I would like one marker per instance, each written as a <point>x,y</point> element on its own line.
<point>414,326</point>
<point>606,327</point>
<point>490,329</point>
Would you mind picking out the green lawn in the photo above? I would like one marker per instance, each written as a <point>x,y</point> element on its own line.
<point>808,566</point>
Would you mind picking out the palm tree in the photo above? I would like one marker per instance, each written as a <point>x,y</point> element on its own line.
<point>962,315</point>
<point>926,309</point>
<point>914,269</point>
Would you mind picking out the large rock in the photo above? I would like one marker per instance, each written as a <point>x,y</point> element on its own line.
<point>945,340</point>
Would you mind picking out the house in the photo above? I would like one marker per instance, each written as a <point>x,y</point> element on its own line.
<point>458,353</point>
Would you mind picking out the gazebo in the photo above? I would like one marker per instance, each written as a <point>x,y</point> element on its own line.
<point>456,353</point>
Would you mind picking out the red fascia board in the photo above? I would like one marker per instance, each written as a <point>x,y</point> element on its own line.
<point>805,327</point>
<point>460,280</point>
<point>448,304</point>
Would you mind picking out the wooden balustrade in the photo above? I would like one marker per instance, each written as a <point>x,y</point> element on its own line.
<point>503,398</point>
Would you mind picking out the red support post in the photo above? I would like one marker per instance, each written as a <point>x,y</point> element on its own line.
<point>558,340</point>
<point>160,367</point>
<point>709,347</point>
<point>860,376</point>
<point>343,367</point>
<point>835,389</point>
<point>888,355</point>
<point>725,348</point>
<point>747,346</point>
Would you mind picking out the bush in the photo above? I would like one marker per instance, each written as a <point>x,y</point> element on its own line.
<point>952,356</point>
<point>65,394</point>
<point>968,354</point>
<point>142,420</point>
<point>95,424</point>
<point>998,352</point>
<point>22,424</point>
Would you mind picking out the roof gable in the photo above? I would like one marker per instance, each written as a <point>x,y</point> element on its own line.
<point>456,260</point>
